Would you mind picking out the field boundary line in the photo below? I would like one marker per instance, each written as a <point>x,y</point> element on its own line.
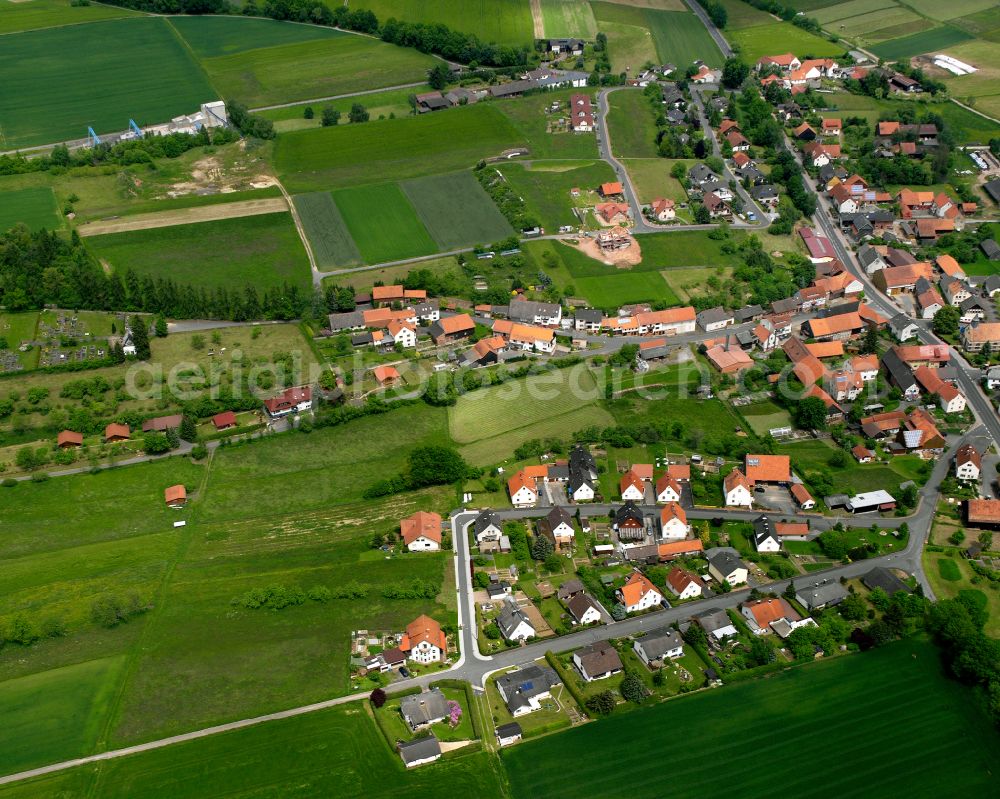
<point>974,111</point>
<point>176,217</point>
<point>193,55</point>
<point>317,276</point>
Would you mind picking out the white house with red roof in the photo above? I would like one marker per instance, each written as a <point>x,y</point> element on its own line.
<point>668,489</point>
<point>421,532</point>
<point>291,400</point>
<point>639,593</point>
<point>737,490</point>
<point>683,584</point>
<point>673,522</point>
<point>424,641</point>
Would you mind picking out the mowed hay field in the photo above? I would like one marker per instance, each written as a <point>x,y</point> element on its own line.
<point>949,747</point>
<point>50,80</point>
<point>264,251</point>
<point>500,21</point>
<point>780,37</point>
<point>350,155</point>
<point>326,230</point>
<point>493,421</point>
<point>631,125</point>
<point>335,752</point>
<point>619,288</point>
<point>676,36</point>
<point>923,42</point>
<point>34,207</point>
<point>382,223</point>
<point>568,18</point>
<point>456,211</point>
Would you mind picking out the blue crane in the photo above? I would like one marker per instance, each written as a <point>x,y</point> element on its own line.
<point>136,128</point>
<point>95,140</point>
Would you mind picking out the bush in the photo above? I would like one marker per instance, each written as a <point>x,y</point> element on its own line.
<point>111,610</point>
<point>602,704</point>
<point>320,593</point>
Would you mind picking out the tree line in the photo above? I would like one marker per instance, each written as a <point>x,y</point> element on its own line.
<point>466,48</point>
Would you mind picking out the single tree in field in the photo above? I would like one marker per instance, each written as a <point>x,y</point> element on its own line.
<point>140,338</point>
<point>308,113</point>
<point>358,113</point>
<point>439,76</point>
<point>330,116</point>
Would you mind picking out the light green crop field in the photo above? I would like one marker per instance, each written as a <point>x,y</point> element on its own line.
<point>518,403</point>
<point>568,19</point>
<point>37,14</point>
<point>924,42</point>
<point>212,36</point>
<point>853,8</point>
<point>328,235</point>
<point>336,752</point>
<point>55,712</point>
<point>871,26</point>
<point>946,11</point>
<point>681,38</point>
<point>50,77</point>
<point>351,155</point>
<point>318,68</point>
<point>631,125</point>
<point>546,185</point>
<point>456,211</point>
<point>501,21</point>
<point>965,125</point>
<point>780,37</point>
<point>651,178</point>
<point>263,251</point>
<point>382,223</point>
<point>948,748</point>
<point>34,207</point>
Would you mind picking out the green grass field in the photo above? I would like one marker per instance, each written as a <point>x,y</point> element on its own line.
<point>630,42</point>
<point>37,14</point>
<point>337,752</point>
<point>455,210</point>
<point>614,290</point>
<point>500,21</point>
<point>651,178</point>
<point>545,187</point>
<point>744,15</point>
<point>213,36</point>
<point>681,38</point>
<point>56,712</point>
<point>350,155</point>
<point>34,207</point>
<point>318,68</point>
<point>391,101</point>
<point>764,416</point>
<point>780,37</point>
<point>568,18</point>
<point>924,42</point>
<point>499,409</point>
<point>55,72</point>
<point>263,251</point>
<point>328,235</point>
<point>948,747</point>
<point>383,223</point>
<point>814,456</point>
<point>529,119</point>
<point>959,8</point>
<point>631,125</point>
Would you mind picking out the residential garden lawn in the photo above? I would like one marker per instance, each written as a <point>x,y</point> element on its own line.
<point>814,455</point>
<point>55,71</point>
<point>686,282</point>
<point>568,18</point>
<point>391,101</point>
<point>764,416</point>
<point>56,714</point>
<point>383,223</point>
<point>923,42</point>
<point>545,187</point>
<point>37,14</point>
<point>530,118</point>
<point>519,403</point>
<point>631,125</point>
<point>456,211</point>
<point>320,68</point>
<point>326,230</point>
<point>744,15</point>
<point>212,36</point>
<point>699,418</point>
<point>780,37</point>
<point>398,730</point>
<point>338,752</point>
<point>690,661</point>
<point>501,21</point>
<point>34,207</point>
<point>351,155</point>
<point>18,327</point>
<point>652,179</point>
<point>673,375</point>
<point>622,286</point>
<point>552,716</point>
<point>940,575</point>
<point>900,684</point>
<point>264,251</point>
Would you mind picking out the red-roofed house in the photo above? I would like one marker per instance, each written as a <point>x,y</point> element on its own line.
<point>224,420</point>
<point>421,532</point>
<point>291,400</point>
<point>523,490</point>
<point>424,641</point>
<point>668,489</point>
<point>68,439</point>
<point>768,469</point>
<point>802,497</point>
<point>639,593</point>
<point>683,584</point>
<point>631,486</point>
<point>737,490</point>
